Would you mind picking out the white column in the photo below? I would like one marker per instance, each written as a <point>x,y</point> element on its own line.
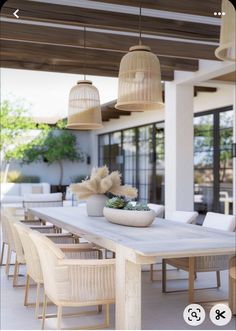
<point>179,179</point>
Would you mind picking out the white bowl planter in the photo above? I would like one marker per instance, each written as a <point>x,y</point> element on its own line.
<point>137,218</point>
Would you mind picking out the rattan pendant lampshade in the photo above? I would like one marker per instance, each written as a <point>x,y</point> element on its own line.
<point>226,50</point>
<point>84,107</point>
<point>139,86</point>
<point>84,104</point>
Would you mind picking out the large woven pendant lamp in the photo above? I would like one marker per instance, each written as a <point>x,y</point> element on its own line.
<point>84,104</point>
<point>139,87</point>
<point>226,50</point>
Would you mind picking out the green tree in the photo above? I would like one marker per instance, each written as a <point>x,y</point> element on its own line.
<point>15,123</point>
<point>52,146</point>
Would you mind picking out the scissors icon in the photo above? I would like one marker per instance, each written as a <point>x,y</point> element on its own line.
<point>220,314</point>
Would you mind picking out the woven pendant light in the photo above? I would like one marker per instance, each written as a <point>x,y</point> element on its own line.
<point>84,105</point>
<point>139,87</point>
<point>226,50</point>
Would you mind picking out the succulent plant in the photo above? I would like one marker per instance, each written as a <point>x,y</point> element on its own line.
<point>116,203</point>
<point>140,206</point>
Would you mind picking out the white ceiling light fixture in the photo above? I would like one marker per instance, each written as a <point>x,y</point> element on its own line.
<point>139,86</point>
<point>226,50</point>
<point>84,103</point>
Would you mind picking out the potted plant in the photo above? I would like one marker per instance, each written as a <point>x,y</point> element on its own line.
<point>96,188</point>
<point>120,211</point>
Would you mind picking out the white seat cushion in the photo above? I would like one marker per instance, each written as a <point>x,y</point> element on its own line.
<point>220,221</point>
<point>11,198</point>
<point>183,216</point>
<point>158,209</point>
<point>43,197</point>
<point>10,189</point>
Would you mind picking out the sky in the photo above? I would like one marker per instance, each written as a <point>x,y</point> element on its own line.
<point>46,93</point>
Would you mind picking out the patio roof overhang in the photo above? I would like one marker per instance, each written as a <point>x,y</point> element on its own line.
<point>48,36</point>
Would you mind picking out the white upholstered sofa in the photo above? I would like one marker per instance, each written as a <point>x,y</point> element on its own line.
<point>14,192</point>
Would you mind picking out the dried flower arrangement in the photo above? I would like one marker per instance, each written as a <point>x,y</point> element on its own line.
<point>101,182</point>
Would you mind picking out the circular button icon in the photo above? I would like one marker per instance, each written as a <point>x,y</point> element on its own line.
<point>220,314</point>
<point>194,314</point>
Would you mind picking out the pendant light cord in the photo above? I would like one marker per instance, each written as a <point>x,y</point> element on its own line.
<point>140,29</point>
<point>84,68</point>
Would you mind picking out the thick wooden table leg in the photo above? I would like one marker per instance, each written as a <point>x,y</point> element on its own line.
<point>128,293</point>
<point>232,285</point>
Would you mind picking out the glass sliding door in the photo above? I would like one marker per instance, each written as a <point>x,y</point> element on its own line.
<point>104,150</point>
<point>138,153</point>
<point>116,158</point>
<point>130,157</point>
<point>159,196</point>
<point>213,169</point>
<point>145,162</point>
<point>203,162</point>
<point>226,162</point>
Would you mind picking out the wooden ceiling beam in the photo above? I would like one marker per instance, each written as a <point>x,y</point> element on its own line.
<point>65,68</point>
<point>78,16</point>
<point>56,58</point>
<point>192,7</point>
<point>101,41</point>
<point>205,89</point>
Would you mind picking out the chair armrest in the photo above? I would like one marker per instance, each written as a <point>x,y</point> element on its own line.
<point>80,262</point>
<point>35,227</point>
<point>77,247</point>
<point>61,235</point>
<point>32,222</point>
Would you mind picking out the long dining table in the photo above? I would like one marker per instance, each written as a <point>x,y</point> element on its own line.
<point>135,246</point>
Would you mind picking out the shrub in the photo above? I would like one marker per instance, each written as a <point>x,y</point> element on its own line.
<point>17,177</point>
<point>78,178</point>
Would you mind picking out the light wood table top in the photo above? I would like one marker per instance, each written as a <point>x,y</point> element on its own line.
<point>163,238</point>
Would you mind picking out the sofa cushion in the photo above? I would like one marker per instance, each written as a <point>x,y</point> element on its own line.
<point>37,189</point>
<point>46,188</point>
<point>10,189</point>
<point>43,197</point>
<point>42,200</point>
<point>11,198</point>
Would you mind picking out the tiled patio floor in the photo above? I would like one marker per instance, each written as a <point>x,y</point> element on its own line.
<point>159,311</point>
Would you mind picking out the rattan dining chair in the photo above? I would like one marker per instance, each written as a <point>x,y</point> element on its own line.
<point>6,241</point>
<point>14,242</point>
<point>74,282</point>
<point>203,263</point>
<point>33,266</point>
<point>181,217</point>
